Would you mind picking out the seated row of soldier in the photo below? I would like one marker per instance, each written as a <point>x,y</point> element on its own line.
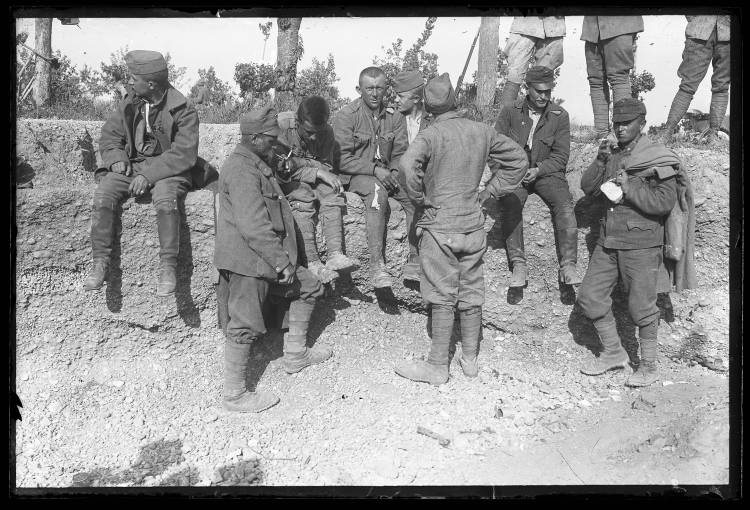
<point>429,158</point>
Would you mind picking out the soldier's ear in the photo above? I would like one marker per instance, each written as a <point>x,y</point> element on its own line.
<point>359,90</point>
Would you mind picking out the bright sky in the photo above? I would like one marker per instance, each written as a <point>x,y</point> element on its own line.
<point>223,42</point>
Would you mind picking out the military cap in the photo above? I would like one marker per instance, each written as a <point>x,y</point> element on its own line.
<point>145,62</point>
<point>627,109</point>
<point>407,80</point>
<point>261,120</point>
<point>540,77</point>
<point>439,96</point>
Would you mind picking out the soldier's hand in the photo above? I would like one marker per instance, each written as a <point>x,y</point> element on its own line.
<point>286,276</point>
<point>530,176</point>
<point>622,180</point>
<point>139,186</point>
<point>121,167</point>
<point>384,176</point>
<point>331,179</point>
<point>604,152</point>
<point>484,195</point>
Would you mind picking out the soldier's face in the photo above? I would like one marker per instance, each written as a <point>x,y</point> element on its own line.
<point>406,101</point>
<point>140,86</point>
<point>538,97</point>
<point>309,131</point>
<point>372,90</point>
<point>627,131</point>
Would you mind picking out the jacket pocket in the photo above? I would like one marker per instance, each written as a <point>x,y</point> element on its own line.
<point>273,204</point>
<point>361,139</point>
<point>641,225</point>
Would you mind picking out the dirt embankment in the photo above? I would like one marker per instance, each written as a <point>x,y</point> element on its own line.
<point>121,387</point>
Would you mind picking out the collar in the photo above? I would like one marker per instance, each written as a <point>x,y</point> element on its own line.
<point>633,144</point>
<point>450,114</point>
<point>261,165</point>
<point>361,105</point>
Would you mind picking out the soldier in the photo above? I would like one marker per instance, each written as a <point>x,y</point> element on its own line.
<point>609,58</point>
<point>150,144</point>
<point>409,87</point>
<point>372,139</point>
<point>256,255</point>
<point>308,177</point>
<point>542,128</point>
<point>531,37</point>
<point>706,41</point>
<point>202,96</point>
<point>637,183</point>
<point>443,167</point>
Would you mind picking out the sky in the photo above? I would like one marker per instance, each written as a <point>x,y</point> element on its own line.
<point>223,42</point>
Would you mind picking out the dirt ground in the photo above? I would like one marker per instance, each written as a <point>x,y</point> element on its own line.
<point>134,406</point>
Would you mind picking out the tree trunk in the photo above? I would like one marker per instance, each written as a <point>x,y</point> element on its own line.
<point>489,40</point>
<point>43,73</point>
<point>287,43</point>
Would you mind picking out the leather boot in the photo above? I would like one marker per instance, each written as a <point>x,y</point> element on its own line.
<point>680,105</point>
<point>375,237</point>
<point>520,275</point>
<point>333,227</point>
<point>435,369</point>
<point>613,356</point>
<point>296,354</point>
<point>509,94</point>
<point>323,273</point>
<point>718,109</point>
<point>168,225</point>
<point>236,398</point>
<point>380,277</point>
<point>471,326</point>
<point>600,106</point>
<point>568,246</point>
<point>646,373</point>
<point>102,232</point>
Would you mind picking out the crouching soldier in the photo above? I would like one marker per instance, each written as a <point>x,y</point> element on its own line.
<point>256,254</point>
<point>636,180</point>
<point>542,128</point>
<point>150,144</point>
<point>443,167</point>
<point>308,177</point>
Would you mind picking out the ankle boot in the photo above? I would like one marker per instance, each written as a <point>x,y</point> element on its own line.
<point>613,355</point>
<point>520,275</point>
<point>718,109</point>
<point>680,105</point>
<point>296,354</point>
<point>471,326</point>
<point>168,225</point>
<point>323,273</point>
<point>435,369</point>
<point>568,245</point>
<point>102,232</point>
<point>333,227</point>
<point>236,398</point>
<point>646,373</point>
<point>97,276</point>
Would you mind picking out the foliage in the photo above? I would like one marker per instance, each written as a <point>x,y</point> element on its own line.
<point>415,58</point>
<point>219,90</point>
<point>116,71</point>
<point>641,83</point>
<point>254,79</point>
<point>319,80</point>
<point>265,29</point>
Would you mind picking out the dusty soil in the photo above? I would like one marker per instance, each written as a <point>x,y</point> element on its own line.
<point>127,393</point>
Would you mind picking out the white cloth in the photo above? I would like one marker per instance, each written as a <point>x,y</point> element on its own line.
<point>534,121</point>
<point>412,125</point>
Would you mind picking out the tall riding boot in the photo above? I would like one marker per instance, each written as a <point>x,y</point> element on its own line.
<point>680,105</point>
<point>296,354</point>
<point>471,326</point>
<point>646,373</point>
<point>512,226</point>
<point>168,225</point>
<point>333,231</point>
<point>509,94</point>
<point>718,109</point>
<point>102,232</point>
<point>375,238</point>
<point>613,356</point>
<point>567,240</point>
<point>435,369</point>
<point>236,397</point>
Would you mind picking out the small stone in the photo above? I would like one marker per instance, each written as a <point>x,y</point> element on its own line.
<point>540,243</point>
<point>118,384</point>
<point>498,412</point>
<point>210,417</point>
<point>584,403</point>
<point>703,302</point>
<point>31,241</point>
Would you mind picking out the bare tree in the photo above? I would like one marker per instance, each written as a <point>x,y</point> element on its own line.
<point>288,54</point>
<point>489,40</point>
<point>43,73</point>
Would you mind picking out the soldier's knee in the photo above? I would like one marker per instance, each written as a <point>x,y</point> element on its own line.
<point>591,306</point>
<point>104,201</point>
<point>165,204</point>
<point>242,336</point>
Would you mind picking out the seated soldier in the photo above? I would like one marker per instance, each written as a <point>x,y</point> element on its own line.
<point>636,180</point>
<point>257,256</point>
<point>309,178</point>
<point>150,143</point>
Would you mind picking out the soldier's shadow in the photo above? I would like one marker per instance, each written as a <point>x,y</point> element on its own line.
<point>183,290</point>
<point>113,294</point>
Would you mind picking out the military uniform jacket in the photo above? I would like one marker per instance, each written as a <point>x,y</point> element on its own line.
<point>359,137</point>
<point>323,152</point>
<point>550,147</point>
<point>254,227</point>
<point>701,27</point>
<point>638,220</point>
<point>175,128</point>
<point>540,27</point>
<point>596,28</point>
<point>443,167</point>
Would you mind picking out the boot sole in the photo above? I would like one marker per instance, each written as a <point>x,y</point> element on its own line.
<point>433,383</point>
<point>295,370</point>
<point>612,367</point>
<point>240,410</point>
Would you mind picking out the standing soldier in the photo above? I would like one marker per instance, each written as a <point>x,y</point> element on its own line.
<point>308,178</point>
<point>443,167</point>
<point>531,37</point>
<point>609,58</point>
<point>542,128</point>
<point>637,182</point>
<point>409,88</point>
<point>256,254</point>
<point>149,143</point>
<point>372,139</point>
<point>706,41</point>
